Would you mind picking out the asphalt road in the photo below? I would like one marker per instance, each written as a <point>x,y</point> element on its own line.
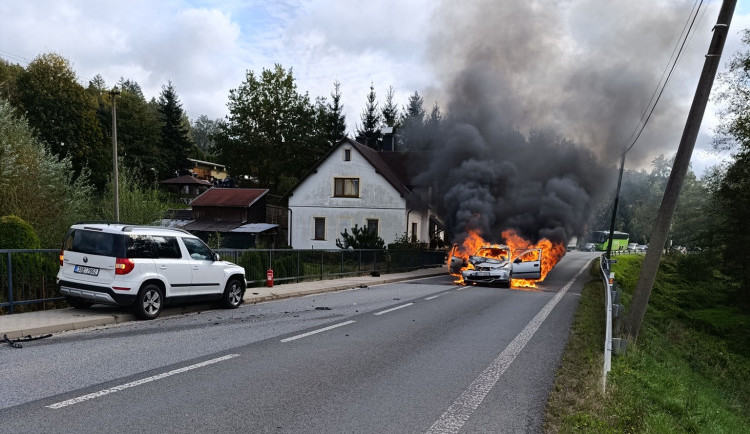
<point>416,356</point>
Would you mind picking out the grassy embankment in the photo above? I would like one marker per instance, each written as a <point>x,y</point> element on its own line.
<point>689,372</point>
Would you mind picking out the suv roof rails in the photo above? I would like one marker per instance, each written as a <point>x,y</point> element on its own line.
<point>129,228</point>
<point>100,222</point>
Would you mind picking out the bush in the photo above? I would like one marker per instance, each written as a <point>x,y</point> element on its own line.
<point>15,233</point>
<point>360,238</point>
<point>404,243</point>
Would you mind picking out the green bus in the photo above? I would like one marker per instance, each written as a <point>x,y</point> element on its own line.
<point>601,240</point>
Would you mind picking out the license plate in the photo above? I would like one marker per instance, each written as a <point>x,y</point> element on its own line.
<point>483,273</point>
<point>91,271</point>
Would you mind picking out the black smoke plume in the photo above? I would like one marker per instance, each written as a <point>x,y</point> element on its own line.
<point>541,97</point>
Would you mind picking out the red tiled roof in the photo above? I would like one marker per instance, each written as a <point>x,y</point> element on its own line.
<point>229,197</point>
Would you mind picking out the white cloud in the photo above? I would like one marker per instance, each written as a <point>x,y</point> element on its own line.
<point>205,46</point>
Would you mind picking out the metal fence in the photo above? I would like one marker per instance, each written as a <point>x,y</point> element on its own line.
<point>27,277</point>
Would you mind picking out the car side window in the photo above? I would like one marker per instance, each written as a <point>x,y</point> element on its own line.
<point>531,255</point>
<point>198,250</point>
<point>140,246</point>
<point>167,247</point>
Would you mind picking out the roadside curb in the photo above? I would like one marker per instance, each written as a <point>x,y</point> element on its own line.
<point>254,299</point>
<point>69,319</point>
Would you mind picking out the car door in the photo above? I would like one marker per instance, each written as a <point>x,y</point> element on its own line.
<point>207,273</point>
<point>172,266</point>
<point>527,265</point>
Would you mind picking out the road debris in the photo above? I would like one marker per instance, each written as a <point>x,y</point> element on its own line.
<point>15,342</point>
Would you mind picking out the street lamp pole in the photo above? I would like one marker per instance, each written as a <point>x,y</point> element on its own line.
<point>115,178</point>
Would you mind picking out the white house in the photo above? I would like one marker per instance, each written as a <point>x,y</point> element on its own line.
<point>356,185</point>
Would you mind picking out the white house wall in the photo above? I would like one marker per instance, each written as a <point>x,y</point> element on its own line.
<point>378,199</point>
<point>423,226</point>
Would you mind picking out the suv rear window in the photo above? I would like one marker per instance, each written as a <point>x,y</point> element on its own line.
<point>94,243</point>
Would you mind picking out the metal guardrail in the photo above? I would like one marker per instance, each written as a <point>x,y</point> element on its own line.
<point>628,252</point>
<point>608,280</point>
<point>27,277</point>
<point>614,310</point>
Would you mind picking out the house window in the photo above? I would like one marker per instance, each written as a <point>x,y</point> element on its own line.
<point>372,226</point>
<point>346,187</point>
<point>320,228</point>
<point>347,155</point>
<point>413,232</point>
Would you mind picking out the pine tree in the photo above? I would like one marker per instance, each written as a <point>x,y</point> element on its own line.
<point>336,128</point>
<point>413,124</point>
<point>390,111</point>
<point>369,131</point>
<point>176,144</point>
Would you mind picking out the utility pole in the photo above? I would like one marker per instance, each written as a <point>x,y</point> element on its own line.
<point>115,181</point>
<point>614,209</point>
<point>637,310</point>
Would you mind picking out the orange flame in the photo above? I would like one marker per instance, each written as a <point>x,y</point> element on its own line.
<point>551,253</point>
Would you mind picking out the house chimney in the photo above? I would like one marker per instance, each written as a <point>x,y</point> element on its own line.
<point>389,138</point>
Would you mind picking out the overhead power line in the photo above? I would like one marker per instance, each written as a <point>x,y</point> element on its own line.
<point>14,57</point>
<point>673,59</point>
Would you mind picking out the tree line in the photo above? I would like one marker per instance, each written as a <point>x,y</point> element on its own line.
<point>713,212</point>
<point>271,137</point>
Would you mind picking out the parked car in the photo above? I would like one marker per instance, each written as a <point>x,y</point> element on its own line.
<point>641,247</point>
<point>632,246</point>
<point>144,267</point>
<point>589,247</point>
<point>494,265</point>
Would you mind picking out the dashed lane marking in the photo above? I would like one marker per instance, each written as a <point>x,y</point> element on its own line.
<point>105,392</point>
<point>392,309</point>
<point>304,335</point>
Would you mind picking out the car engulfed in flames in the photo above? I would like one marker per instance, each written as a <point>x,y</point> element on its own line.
<point>518,264</point>
<point>488,265</point>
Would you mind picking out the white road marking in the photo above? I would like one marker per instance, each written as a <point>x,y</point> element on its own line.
<point>138,382</point>
<point>304,335</point>
<point>433,297</point>
<point>462,408</point>
<point>393,308</point>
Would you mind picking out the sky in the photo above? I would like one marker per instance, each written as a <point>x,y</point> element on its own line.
<point>206,47</point>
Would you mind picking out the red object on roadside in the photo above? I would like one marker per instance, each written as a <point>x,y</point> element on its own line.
<point>269,278</point>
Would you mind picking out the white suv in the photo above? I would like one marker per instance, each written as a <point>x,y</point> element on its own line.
<point>143,266</point>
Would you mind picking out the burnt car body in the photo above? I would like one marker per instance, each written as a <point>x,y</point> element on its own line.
<point>493,265</point>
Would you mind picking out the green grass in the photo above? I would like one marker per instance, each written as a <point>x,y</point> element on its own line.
<point>689,371</point>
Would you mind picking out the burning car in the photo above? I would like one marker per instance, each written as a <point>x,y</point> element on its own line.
<point>493,264</point>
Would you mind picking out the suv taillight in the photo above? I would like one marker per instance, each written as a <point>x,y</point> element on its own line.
<point>61,256</point>
<point>124,266</point>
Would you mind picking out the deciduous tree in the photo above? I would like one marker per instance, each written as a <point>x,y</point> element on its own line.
<point>35,184</point>
<point>269,138</point>
<point>203,131</point>
<point>64,115</point>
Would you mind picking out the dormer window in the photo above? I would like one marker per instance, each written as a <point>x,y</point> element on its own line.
<point>347,155</point>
